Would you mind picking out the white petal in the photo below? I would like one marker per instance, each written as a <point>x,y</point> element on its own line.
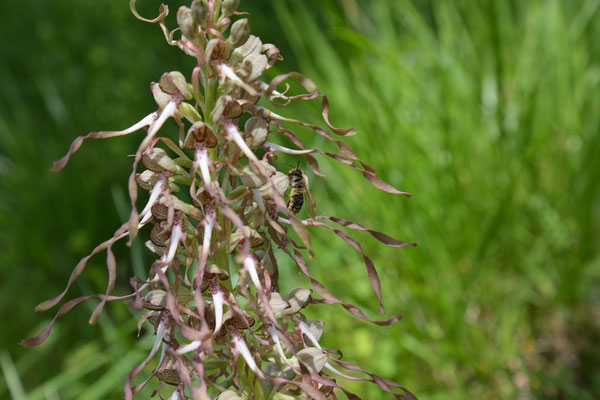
<point>250,266</point>
<point>156,190</point>
<point>160,334</point>
<point>176,235</point>
<point>218,300</point>
<point>202,157</point>
<point>189,347</point>
<point>306,330</point>
<point>276,147</point>
<point>242,348</point>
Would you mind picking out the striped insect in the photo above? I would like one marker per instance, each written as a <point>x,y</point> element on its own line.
<point>299,192</point>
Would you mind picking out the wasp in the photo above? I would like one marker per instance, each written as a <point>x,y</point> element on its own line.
<point>299,185</point>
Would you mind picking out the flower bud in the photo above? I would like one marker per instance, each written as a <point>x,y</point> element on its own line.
<point>159,236</point>
<point>228,7</point>
<point>160,210</point>
<point>160,97</point>
<point>226,106</point>
<point>155,300</point>
<point>237,239</point>
<point>170,374</point>
<point>188,111</point>
<point>254,216</point>
<point>256,131</point>
<point>281,182</point>
<point>237,193</point>
<point>240,32</point>
<point>217,50</point>
<point>214,271</point>
<point>253,67</point>
<point>157,160</point>
<point>174,83</point>
<point>200,12</point>
<point>229,395</point>
<point>272,52</point>
<point>298,298</point>
<point>313,358</point>
<point>253,45</point>
<point>233,319</point>
<point>251,179</point>
<point>277,304</point>
<point>147,179</point>
<point>186,22</point>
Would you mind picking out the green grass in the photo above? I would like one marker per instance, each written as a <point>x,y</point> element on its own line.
<point>486,111</point>
<point>488,114</point>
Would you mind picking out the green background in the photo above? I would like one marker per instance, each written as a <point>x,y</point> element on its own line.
<point>487,111</point>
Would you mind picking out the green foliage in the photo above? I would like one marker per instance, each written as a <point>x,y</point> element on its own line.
<point>485,111</point>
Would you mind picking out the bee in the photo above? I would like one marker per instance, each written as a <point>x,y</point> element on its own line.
<point>299,185</point>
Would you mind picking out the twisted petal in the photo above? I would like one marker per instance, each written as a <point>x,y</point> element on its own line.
<point>242,348</point>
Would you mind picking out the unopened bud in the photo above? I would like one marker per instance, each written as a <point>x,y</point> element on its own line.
<point>253,45</point>
<point>240,32</point>
<point>186,22</point>
<point>314,359</point>
<point>188,111</point>
<point>256,130</point>
<point>160,97</point>
<point>298,298</point>
<point>228,7</point>
<point>160,210</point>
<point>237,193</point>
<point>174,83</point>
<point>159,236</point>
<point>157,160</point>
<point>155,300</point>
<point>254,216</point>
<point>147,179</point>
<point>229,395</point>
<point>170,373</point>
<point>237,238</point>
<point>253,67</point>
<point>214,271</point>
<point>226,106</point>
<point>272,52</point>
<point>281,182</point>
<point>234,319</point>
<point>276,302</point>
<point>200,12</point>
<point>251,179</point>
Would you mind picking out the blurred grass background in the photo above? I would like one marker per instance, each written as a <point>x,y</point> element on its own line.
<point>487,111</point>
